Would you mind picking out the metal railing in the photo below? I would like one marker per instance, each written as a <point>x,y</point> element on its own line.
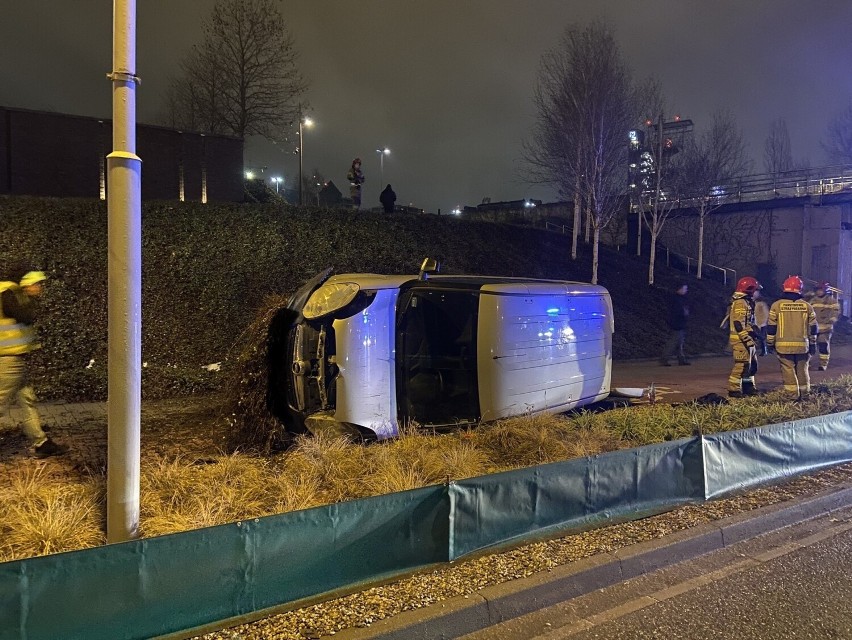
<point>770,186</point>
<point>689,260</point>
<point>561,228</point>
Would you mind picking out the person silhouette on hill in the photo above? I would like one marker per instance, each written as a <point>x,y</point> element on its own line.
<point>388,199</point>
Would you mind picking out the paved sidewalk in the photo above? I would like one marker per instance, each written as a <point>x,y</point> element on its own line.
<point>181,426</point>
<point>83,425</point>
<point>710,374</point>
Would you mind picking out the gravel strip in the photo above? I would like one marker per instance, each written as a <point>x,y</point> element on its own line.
<point>466,577</point>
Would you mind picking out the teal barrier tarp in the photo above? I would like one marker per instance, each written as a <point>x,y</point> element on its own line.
<point>130,590</point>
<point>349,543</point>
<point>151,587</point>
<point>517,505</point>
<point>739,460</point>
<point>160,585</point>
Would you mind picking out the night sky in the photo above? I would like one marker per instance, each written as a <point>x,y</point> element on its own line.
<point>446,84</point>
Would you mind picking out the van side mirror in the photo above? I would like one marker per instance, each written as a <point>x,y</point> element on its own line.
<point>429,266</point>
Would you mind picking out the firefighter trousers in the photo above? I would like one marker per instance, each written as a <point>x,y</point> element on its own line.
<point>794,373</point>
<point>15,387</point>
<point>824,346</point>
<point>745,367</point>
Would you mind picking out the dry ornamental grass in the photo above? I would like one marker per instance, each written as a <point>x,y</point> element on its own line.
<point>39,515</point>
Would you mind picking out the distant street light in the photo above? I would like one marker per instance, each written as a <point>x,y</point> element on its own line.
<point>249,175</point>
<point>303,122</point>
<point>382,153</point>
<point>457,211</point>
<point>277,180</point>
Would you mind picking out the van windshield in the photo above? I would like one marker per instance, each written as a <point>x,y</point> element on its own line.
<point>436,356</point>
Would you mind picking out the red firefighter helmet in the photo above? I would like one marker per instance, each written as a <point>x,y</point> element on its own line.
<point>748,285</point>
<point>824,285</point>
<point>793,284</point>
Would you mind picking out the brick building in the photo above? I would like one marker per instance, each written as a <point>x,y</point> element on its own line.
<point>54,154</point>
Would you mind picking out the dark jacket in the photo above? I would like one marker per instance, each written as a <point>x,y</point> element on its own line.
<point>678,312</point>
<point>18,306</point>
<point>388,198</point>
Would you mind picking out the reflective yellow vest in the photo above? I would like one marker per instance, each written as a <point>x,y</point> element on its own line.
<point>827,310</point>
<point>16,338</point>
<point>792,326</point>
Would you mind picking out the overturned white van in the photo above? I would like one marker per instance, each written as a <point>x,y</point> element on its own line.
<point>364,353</point>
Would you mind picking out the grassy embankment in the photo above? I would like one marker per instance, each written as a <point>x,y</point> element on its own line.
<point>208,271</point>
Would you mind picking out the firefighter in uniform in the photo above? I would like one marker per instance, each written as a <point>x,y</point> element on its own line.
<point>792,330</point>
<point>742,332</point>
<point>17,340</point>
<point>827,310</point>
<point>356,179</point>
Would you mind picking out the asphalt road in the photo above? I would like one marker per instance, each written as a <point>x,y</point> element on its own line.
<point>710,374</point>
<point>794,584</point>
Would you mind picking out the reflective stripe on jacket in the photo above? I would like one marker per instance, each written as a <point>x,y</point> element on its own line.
<point>792,326</point>
<point>16,338</point>
<point>827,310</point>
<point>741,320</point>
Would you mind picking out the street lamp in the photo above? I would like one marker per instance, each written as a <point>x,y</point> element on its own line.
<point>382,153</point>
<point>249,175</point>
<point>303,122</point>
<point>277,180</point>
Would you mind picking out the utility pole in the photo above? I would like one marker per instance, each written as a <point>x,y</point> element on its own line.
<point>301,146</point>
<point>124,273</point>
<point>303,122</point>
<point>383,151</point>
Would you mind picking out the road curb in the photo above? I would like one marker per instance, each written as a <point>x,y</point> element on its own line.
<point>495,604</point>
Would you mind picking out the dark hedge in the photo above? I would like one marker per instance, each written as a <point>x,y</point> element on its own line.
<point>208,268</point>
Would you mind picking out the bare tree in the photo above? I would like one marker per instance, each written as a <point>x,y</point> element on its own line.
<point>777,152</point>
<point>585,104</point>
<point>838,141</point>
<point>718,154</point>
<point>312,185</point>
<point>658,204</point>
<point>651,101</point>
<point>554,134</point>
<point>243,79</point>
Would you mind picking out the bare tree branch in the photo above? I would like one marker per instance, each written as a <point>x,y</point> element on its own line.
<point>243,79</point>
<point>838,141</point>
<point>777,152</point>
<point>585,103</point>
<point>717,155</point>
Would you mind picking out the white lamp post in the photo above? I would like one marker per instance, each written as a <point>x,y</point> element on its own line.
<point>303,122</point>
<point>277,180</point>
<point>124,283</point>
<point>382,153</point>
